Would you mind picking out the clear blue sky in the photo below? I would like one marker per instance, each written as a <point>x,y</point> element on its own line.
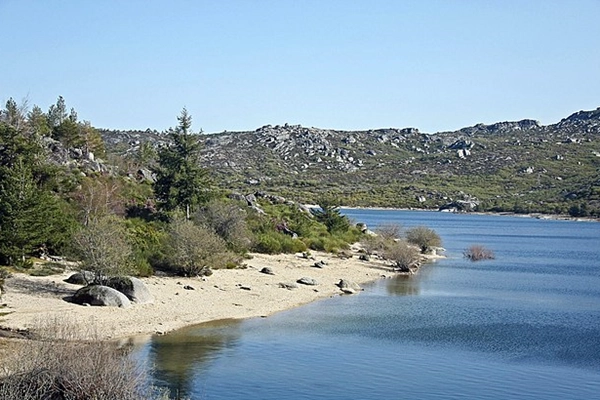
<point>344,64</point>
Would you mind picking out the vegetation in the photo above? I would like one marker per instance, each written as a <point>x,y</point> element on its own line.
<point>329,214</point>
<point>70,363</point>
<point>192,249</point>
<point>423,237</point>
<point>103,248</point>
<point>402,255</point>
<point>478,252</point>
<point>180,181</point>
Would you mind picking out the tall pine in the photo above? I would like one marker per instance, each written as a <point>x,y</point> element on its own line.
<point>181,183</point>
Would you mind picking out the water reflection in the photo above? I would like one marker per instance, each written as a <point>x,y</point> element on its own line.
<point>177,356</point>
<point>403,285</point>
<point>408,285</point>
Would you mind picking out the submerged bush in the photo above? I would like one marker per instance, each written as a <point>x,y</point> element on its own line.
<point>478,252</point>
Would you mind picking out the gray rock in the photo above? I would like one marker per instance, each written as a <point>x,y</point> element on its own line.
<point>319,264</point>
<point>81,278</point>
<point>307,281</point>
<point>98,295</point>
<point>349,287</point>
<point>144,174</point>
<point>267,270</point>
<point>288,286</point>
<point>133,288</point>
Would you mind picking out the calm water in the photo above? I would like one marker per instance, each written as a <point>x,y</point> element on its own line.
<point>523,326</point>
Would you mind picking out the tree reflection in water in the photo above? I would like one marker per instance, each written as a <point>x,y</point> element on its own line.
<point>178,356</point>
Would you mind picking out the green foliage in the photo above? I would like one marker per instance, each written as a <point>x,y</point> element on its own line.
<point>147,241</point>
<point>104,248</point>
<point>423,237</point>
<point>330,215</point>
<point>181,183</point>
<point>275,243</point>
<point>31,216</point>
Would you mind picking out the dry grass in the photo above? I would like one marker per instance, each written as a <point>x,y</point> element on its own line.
<point>67,363</point>
<point>478,252</point>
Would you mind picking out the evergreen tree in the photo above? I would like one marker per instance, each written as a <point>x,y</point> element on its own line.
<point>181,183</point>
<point>37,122</point>
<point>57,113</point>
<point>31,216</point>
<point>330,215</point>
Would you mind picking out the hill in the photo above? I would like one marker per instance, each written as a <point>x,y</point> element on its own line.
<point>520,166</point>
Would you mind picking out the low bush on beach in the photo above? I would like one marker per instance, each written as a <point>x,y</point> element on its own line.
<point>228,221</point>
<point>191,248</point>
<point>478,252</point>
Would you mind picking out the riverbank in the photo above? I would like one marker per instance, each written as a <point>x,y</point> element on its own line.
<point>180,302</point>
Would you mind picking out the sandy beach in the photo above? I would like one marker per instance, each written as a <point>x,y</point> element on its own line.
<point>234,293</point>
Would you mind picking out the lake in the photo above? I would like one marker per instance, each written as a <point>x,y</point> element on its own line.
<point>523,326</point>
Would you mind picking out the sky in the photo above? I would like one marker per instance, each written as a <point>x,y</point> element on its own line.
<point>340,64</point>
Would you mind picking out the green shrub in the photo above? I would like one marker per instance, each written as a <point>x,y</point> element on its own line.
<point>268,244</point>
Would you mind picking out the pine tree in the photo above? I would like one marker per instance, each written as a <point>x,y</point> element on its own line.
<point>31,216</point>
<point>181,183</point>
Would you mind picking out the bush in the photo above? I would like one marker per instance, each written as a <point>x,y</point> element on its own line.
<point>268,244</point>
<point>373,244</point>
<point>69,364</point>
<point>389,231</point>
<point>423,237</point>
<point>274,243</point>
<point>104,248</point>
<point>403,256</point>
<point>229,222</point>
<point>478,252</point>
<point>191,248</point>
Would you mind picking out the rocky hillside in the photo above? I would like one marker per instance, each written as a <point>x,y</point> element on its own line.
<point>507,166</point>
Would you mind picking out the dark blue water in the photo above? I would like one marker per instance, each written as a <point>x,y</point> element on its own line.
<point>523,326</point>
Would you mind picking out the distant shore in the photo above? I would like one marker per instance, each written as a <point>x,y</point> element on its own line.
<point>233,293</point>
<point>554,217</point>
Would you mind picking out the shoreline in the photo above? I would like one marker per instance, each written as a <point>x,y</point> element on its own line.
<point>227,294</point>
<point>550,217</point>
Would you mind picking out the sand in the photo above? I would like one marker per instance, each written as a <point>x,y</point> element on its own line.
<point>235,293</point>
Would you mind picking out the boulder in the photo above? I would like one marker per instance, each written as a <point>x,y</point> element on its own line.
<point>98,295</point>
<point>135,290</point>
<point>307,281</point>
<point>349,287</point>
<point>81,278</point>
<point>267,270</point>
<point>288,286</point>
